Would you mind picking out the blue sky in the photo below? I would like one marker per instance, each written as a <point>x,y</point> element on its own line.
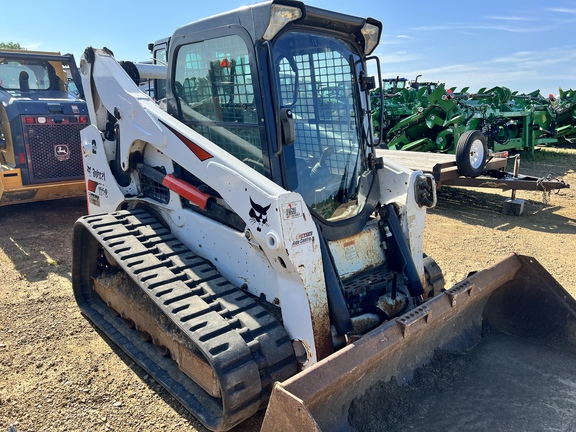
<point>521,44</point>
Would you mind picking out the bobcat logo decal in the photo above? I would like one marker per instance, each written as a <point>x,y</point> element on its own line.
<point>258,215</point>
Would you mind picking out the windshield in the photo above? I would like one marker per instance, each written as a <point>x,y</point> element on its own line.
<point>213,81</point>
<point>316,80</point>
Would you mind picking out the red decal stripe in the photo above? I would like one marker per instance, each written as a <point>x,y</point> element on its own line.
<point>196,149</point>
<point>92,185</point>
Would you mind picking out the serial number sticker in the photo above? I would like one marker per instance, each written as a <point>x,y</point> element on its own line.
<point>94,199</point>
<point>292,210</point>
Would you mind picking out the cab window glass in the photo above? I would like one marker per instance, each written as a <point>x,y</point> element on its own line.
<point>24,74</point>
<point>159,90</point>
<point>215,94</point>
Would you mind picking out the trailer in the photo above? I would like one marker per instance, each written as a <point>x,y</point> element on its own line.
<point>494,176</point>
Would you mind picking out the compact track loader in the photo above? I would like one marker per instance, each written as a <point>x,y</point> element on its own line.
<point>246,246</point>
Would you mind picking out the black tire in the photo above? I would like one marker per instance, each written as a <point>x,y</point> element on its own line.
<point>471,153</point>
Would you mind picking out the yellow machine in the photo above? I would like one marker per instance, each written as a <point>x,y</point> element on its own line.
<point>41,116</point>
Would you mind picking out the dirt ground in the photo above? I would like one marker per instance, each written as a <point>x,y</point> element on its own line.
<point>57,372</point>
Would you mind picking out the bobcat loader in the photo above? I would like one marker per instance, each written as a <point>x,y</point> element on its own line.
<point>248,247</point>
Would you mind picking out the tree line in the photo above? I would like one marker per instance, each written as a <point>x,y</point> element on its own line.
<point>11,45</point>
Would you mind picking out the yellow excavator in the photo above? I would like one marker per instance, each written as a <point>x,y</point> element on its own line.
<point>41,115</point>
<point>251,248</point>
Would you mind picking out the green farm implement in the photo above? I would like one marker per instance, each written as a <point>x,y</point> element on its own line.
<point>472,126</point>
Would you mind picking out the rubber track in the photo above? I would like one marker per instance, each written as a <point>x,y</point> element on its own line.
<point>247,348</point>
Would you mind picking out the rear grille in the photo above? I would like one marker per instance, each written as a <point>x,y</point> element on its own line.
<point>54,151</point>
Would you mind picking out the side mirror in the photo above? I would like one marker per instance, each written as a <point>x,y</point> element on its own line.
<point>287,126</point>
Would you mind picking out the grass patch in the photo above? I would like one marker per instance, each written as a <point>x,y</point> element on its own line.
<point>549,154</point>
<point>553,161</point>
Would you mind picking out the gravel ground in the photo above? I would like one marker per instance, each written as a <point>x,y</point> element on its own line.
<point>59,374</point>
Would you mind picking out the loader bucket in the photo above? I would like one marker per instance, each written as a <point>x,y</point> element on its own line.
<point>495,352</point>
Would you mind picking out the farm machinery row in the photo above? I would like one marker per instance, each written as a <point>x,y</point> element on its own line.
<point>429,117</point>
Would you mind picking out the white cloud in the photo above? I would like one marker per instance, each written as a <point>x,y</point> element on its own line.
<point>388,39</point>
<point>33,46</point>
<point>509,18</point>
<point>404,37</point>
<point>537,60</point>
<point>398,57</point>
<point>523,71</point>
<point>563,10</point>
<point>464,26</point>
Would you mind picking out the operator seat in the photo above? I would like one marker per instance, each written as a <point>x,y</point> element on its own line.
<point>24,84</point>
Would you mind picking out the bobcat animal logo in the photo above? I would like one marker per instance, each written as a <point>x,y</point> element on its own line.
<point>258,215</point>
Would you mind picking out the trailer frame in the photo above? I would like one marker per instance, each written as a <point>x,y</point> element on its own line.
<point>445,172</point>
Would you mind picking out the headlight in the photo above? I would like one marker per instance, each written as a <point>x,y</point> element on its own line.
<point>371,35</point>
<point>280,16</point>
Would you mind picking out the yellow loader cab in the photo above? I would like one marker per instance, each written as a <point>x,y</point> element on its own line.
<point>41,115</point>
